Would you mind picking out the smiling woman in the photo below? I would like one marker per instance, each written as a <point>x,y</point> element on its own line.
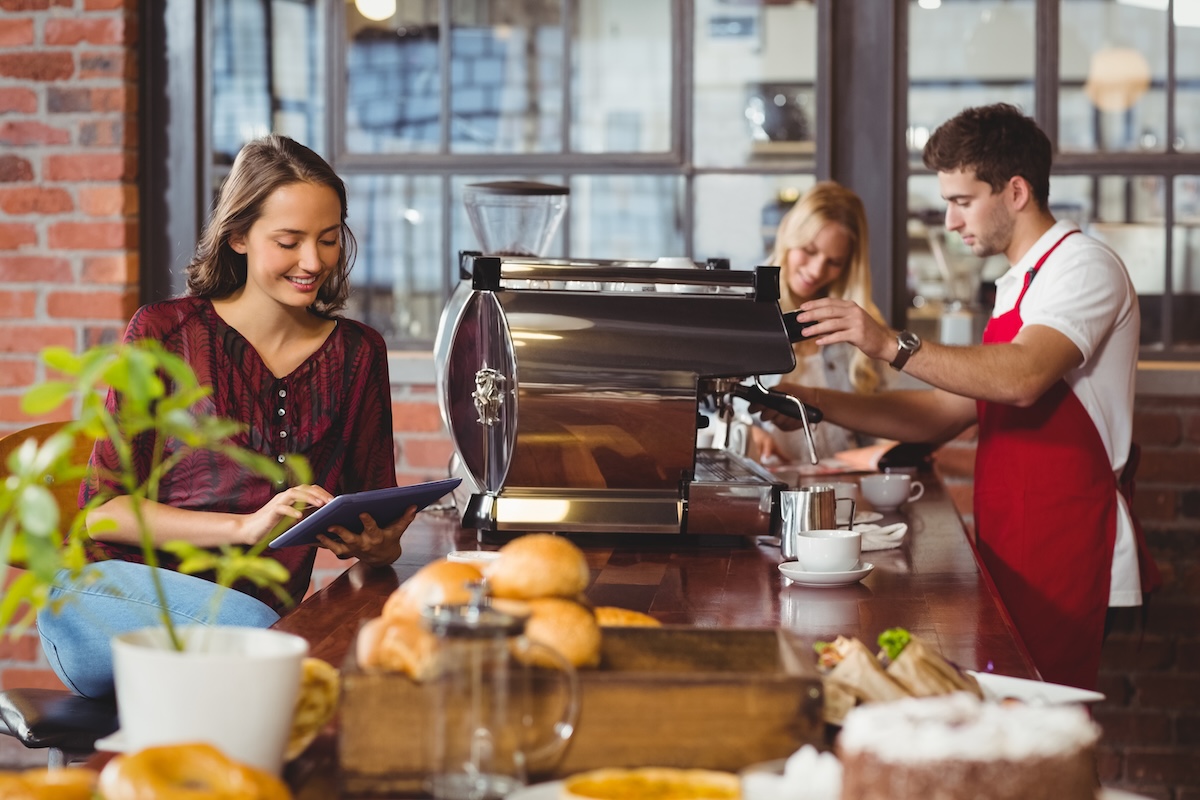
<point>261,332</point>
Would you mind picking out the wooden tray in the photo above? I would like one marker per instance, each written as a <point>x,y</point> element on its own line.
<point>670,696</point>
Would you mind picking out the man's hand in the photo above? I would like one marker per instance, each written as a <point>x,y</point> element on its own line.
<point>830,320</point>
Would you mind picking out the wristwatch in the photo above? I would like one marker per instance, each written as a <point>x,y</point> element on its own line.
<point>908,343</point>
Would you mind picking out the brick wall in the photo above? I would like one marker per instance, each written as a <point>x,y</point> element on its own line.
<point>1151,668</point>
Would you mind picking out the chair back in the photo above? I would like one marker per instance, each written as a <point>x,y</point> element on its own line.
<point>66,493</point>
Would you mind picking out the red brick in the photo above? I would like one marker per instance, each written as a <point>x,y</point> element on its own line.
<point>19,99</point>
<point>30,679</point>
<point>23,648</point>
<point>1136,652</point>
<point>34,338</point>
<point>1171,691</point>
<point>1169,616</point>
<point>85,305</point>
<point>109,334</point>
<point>24,5</point>
<point>35,200</point>
<point>1191,426</point>
<point>112,64</point>
<point>417,417</point>
<point>18,269</point>
<point>1122,726</point>
<point>18,134</point>
<point>406,477</point>
<point>108,133</point>
<point>71,101</point>
<point>1168,466</point>
<point>1109,764</point>
<point>110,5</point>
<point>17,373</point>
<point>1187,653</point>
<point>1155,504</point>
<point>109,201</point>
<point>92,235</point>
<point>90,167</point>
<point>121,269</point>
<point>1116,688</point>
<point>430,453</point>
<point>1162,765</point>
<point>18,305</point>
<point>14,236</point>
<point>34,66</point>
<point>16,32</point>
<point>14,169</point>
<point>68,31</point>
<point>1156,428</point>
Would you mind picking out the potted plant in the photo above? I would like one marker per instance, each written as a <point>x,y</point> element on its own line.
<point>159,395</point>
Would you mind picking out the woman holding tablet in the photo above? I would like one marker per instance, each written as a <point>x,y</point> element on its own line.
<point>259,325</point>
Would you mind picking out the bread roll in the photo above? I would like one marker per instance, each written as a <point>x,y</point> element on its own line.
<point>437,583</point>
<point>564,626</point>
<point>538,565</point>
<point>614,617</point>
<point>398,646</point>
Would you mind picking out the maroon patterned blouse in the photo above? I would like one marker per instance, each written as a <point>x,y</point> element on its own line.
<point>334,409</point>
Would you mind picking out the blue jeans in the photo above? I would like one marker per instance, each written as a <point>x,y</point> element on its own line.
<point>76,637</point>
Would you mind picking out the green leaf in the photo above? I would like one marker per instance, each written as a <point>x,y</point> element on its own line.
<point>46,397</point>
<point>37,510</point>
<point>893,641</point>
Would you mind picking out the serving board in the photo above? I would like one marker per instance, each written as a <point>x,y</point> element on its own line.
<point>671,696</point>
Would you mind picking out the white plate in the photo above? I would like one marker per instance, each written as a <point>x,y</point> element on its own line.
<point>539,791</point>
<point>477,557</point>
<point>793,572</point>
<point>861,517</point>
<point>999,687</point>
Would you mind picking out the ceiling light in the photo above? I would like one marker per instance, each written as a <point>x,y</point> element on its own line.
<point>376,10</point>
<point>1117,78</point>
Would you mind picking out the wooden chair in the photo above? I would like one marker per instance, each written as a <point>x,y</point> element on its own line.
<point>67,725</point>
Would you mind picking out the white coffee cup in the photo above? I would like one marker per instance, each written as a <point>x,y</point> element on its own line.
<point>828,550</point>
<point>891,490</point>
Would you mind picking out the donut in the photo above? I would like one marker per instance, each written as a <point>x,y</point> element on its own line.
<point>76,783</point>
<point>186,772</point>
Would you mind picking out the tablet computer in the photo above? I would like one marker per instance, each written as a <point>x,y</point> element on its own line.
<point>385,505</point>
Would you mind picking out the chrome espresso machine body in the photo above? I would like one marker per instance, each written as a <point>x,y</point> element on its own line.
<point>572,391</point>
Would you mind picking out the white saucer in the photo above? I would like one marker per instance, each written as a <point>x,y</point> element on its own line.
<point>862,517</point>
<point>793,572</point>
<point>477,557</point>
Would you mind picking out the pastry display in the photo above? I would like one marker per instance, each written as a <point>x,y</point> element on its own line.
<point>75,783</point>
<point>652,783</point>
<point>615,617</point>
<point>943,748</point>
<point>538,565</point>
<point>566,627</point>
<point>315,704</point>
<point>186,772</point>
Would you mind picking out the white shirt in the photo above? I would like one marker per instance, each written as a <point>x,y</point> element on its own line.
<point>1084,292</point>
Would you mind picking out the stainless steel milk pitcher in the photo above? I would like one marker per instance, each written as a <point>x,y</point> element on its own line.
<point>807,508</point>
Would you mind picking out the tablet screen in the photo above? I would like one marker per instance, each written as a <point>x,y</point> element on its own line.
<point>384,505</point>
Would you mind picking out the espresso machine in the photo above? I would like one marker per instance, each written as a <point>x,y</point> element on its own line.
<point>573,389</point>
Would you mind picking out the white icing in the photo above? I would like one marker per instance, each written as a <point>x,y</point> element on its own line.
<point>959,726</point>
<point>807,775</point>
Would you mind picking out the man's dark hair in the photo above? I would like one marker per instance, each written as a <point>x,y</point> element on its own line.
<point>996,142</point>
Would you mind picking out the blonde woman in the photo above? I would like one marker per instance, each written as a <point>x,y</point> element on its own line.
<point>822,250</point>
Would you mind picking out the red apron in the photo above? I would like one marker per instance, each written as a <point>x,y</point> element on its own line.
<point>1046,518</point>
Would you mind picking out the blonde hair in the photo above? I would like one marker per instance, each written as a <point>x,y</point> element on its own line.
<point>262,166</point>
<point>831,203</point>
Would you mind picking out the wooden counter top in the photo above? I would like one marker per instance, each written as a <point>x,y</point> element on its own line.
<point>931,585</point>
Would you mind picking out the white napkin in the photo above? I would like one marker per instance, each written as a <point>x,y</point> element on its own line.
<point>875,537</point>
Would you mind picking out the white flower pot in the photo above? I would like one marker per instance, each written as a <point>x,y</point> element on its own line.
<point>233,687</point>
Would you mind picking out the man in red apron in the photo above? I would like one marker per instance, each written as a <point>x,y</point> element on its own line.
<point>1051,388</point>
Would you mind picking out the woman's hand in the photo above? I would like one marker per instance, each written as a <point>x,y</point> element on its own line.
<point>764,448</point>
<point>377,546</point>
<point>253,527</point>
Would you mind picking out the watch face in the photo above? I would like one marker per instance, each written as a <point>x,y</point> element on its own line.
<point>909,340</point>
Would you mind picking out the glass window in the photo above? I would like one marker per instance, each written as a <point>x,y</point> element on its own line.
<point>627,216</point>
<point>1113,69</point>
<point>752,205</point>
<point>1187,75</point>
<point>622,95</point>
<point>755,83</point>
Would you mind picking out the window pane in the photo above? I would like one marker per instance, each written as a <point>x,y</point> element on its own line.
<point>1187,75</point>
<point>755,70</point>
<point>393,81</point>
<point>737,215</point>
<point>626,216</point>
<point>621,77</point>
<point>1113,67</point>
<point>506,75</point>
<point>1126,213</point>
<point>253,74</point>
<point>967,54</point>
<point>399,280</point>
<point>1185,317</point>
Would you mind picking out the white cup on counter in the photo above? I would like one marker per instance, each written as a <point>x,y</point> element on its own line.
<point>834,550</point>
<point>889,491</point>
